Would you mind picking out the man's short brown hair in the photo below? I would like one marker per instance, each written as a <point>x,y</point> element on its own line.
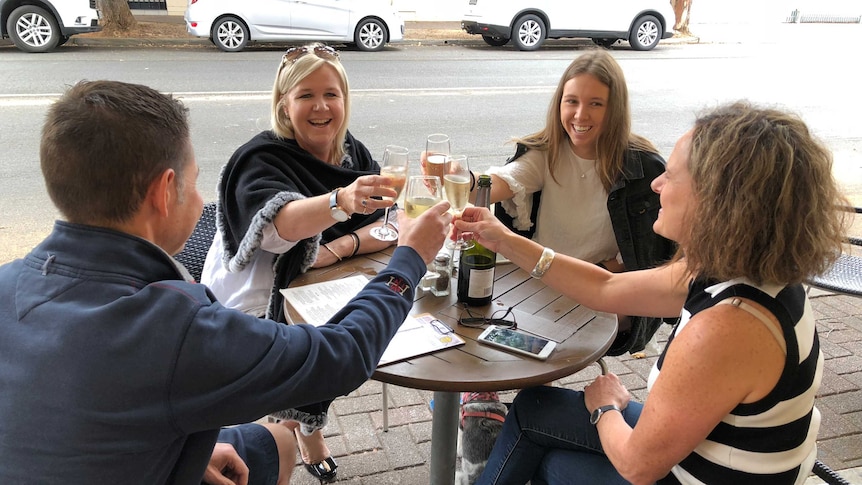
<point>104,142</point>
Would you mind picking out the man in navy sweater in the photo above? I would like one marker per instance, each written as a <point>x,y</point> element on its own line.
<point>116,369</point>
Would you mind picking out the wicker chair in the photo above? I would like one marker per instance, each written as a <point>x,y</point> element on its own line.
<point>845,276</point>
<point>195,253</point>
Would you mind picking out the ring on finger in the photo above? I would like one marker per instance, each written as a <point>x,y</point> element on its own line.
<point>364,202</point>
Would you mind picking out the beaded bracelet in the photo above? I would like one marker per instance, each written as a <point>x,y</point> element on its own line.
<point>543,264</point>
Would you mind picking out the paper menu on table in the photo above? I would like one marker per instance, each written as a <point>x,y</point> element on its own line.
<point>318,302</point>
<point>419,335</point>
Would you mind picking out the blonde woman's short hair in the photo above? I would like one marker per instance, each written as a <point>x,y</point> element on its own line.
<point>296,64</point>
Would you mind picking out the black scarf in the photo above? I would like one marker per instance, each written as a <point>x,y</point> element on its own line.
<point>259,179</point>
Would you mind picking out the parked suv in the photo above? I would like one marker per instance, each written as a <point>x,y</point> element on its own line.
<point>41,25</point>
<point>527,23</point>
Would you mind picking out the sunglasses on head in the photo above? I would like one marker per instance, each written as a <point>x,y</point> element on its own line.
<point>497,318</point>
<point>320,50</point>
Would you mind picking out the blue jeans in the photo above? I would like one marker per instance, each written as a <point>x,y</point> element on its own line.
<point>547,438</point>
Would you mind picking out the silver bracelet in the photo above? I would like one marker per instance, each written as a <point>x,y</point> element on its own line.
<point>543,264</point>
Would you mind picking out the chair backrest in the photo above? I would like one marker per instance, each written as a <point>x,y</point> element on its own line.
<point>194,253</point>
<point>845,276</point>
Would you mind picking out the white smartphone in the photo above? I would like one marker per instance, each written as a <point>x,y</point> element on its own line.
<point>519,342</point>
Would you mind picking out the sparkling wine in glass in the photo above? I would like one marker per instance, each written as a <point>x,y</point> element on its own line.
<point>393,166</point>
<point>436,152</point>
<point>423,191</point>
<point>456,187</point>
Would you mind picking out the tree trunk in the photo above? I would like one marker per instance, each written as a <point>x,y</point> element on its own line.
<point>682,10</point>
<point>116,16</point>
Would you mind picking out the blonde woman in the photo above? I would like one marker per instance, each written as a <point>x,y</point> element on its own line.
<point>295,197</point>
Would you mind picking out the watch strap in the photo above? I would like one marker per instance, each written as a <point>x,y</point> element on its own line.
<point>597,414</point>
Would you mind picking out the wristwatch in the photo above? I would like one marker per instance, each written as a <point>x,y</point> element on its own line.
<point>594,418</point>
<point>335,210</point>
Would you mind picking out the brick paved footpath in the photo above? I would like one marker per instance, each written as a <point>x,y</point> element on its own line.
<point>367,455</point>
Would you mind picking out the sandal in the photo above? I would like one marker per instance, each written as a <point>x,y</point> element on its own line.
<point>324,471</point>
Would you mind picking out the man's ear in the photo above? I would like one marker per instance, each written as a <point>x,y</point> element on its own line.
<point>162,191</point>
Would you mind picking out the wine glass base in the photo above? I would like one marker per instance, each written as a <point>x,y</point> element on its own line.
<point>384,234</point>
<point>459,245</point>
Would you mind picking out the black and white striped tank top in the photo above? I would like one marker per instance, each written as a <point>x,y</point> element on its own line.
<point>771,441</point>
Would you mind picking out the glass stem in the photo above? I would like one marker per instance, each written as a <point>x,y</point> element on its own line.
<point>386,219</point>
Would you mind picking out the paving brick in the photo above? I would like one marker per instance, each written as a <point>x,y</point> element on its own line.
<point>848,402</point>
<point>359,433</point>
<point>421,431</point>
<point>408,476</point>
<point>402,415</point>
<point>400,448</point>
<point>360,404</point>
<point>363,464</point>
<point>846,365</point>
<point>833,383</point>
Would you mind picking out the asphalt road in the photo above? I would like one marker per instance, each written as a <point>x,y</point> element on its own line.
<point>480,96</point>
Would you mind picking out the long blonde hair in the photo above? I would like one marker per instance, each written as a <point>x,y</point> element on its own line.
<point>292,72</point>
<point>767,205</point>
<point>616,135</point>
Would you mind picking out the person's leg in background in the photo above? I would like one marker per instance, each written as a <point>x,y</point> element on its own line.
<point>543,419</point>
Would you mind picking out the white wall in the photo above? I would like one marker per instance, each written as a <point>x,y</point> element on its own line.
<point>431,10</point>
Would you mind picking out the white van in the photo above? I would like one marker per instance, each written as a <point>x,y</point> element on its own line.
<point>527,23</point>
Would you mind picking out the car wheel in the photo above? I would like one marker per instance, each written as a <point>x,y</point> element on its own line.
<point>645,34</point>
<point>606,43</point>
<point>33,29</point>
<point>370,35</point>
<point>528,33</point>
<point>230,34</point>
<point>495,41</point>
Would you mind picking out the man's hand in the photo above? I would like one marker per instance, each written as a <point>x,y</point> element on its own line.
<point>427,232</point>
<point>484,226</point>
<point>226,467</point>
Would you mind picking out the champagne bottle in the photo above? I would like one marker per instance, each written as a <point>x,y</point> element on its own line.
<point>476,267</point>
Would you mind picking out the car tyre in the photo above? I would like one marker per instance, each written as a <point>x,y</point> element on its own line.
<point>528,33</point>
<point>495,41</point>
<point>606,43</point>
<point>230,34</point>
<point>645,33</point>
<point>370,35</point>
<point>33,29</point>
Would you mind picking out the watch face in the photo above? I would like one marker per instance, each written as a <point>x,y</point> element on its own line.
<point>338,214</point>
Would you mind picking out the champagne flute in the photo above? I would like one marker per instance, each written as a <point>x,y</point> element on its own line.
<point>423,191</point>
<point>456,186</point>
<point>436,152</point>
<point>393,166</point>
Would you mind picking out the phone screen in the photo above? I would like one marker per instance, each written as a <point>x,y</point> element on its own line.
<point>517,340</point>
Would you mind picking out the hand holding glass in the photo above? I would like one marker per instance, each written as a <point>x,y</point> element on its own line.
<point>423,191</point>
<point>393,166</point>
<point>456,186</point>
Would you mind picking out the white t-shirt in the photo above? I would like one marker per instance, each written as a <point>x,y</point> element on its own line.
<point>249,289</point>
<point>573,218</point>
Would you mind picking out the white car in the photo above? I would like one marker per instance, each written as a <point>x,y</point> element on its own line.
<point>527,23</point>
<point>232,24</point>
<point>42,25</point>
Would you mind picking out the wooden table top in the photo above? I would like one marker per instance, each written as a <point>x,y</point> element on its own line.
<point>583,335</point>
